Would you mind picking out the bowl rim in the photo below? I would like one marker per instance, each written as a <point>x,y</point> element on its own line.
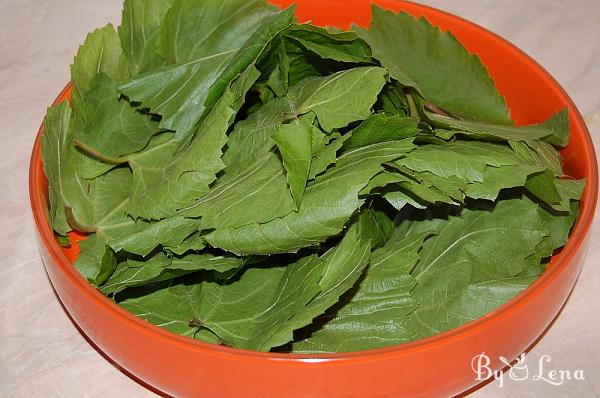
<point>574,245</point>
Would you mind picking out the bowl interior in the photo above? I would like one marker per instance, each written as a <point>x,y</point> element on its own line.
<point>531,93</point>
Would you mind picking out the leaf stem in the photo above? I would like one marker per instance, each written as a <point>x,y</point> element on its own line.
<point>93,152</point>
<point>412,106</point>
<point>289,116</point>
<point>74,224</point>
<point>195,323</point>
<point>223,343</point>
<point>437,110</point>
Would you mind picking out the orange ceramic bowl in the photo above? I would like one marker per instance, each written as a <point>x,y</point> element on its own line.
<point>439,366</point>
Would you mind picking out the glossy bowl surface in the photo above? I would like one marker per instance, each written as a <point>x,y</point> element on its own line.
<point>439,366</point>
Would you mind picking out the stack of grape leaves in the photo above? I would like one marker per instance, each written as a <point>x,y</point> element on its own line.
<point>250,181</point>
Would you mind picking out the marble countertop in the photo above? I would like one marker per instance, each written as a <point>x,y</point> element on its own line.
<point>41,352</point>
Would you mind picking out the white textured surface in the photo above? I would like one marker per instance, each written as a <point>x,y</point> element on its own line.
<point>42,354</point>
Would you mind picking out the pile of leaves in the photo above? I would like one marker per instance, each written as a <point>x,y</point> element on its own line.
<point>249,181</point>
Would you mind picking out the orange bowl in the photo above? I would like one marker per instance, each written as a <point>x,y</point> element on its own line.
<point>436,366</point>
